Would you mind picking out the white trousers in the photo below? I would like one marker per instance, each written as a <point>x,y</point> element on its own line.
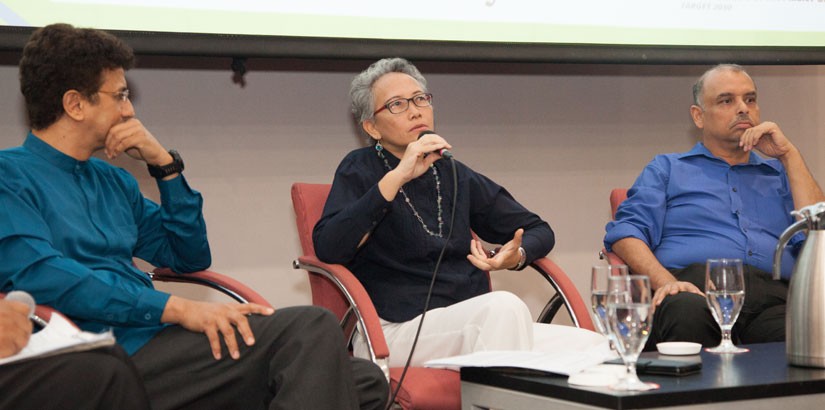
<point>493,321</point>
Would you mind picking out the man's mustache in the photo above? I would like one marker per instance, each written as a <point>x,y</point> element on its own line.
<point>742,118</point>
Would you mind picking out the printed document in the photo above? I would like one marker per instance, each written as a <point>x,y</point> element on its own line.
<point>558,349</point>
<point>60,336</point>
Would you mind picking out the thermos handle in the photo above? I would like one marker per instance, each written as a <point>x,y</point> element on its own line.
<point>783,240</point>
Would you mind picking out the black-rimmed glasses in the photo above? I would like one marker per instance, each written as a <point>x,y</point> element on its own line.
<point>399,105</point>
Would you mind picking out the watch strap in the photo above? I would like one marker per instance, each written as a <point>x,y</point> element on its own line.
<point>163,171</point>
<point>522,258</point>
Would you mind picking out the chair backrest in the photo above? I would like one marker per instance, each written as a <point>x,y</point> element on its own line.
<point>308,201</point>
<point>617,196</point>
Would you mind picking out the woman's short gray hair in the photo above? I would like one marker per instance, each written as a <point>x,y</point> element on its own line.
<point>360,91</point>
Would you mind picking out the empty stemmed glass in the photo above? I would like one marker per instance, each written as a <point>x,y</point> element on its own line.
<point>598,293</point>
<point>629,318</point>
<point>725,293</point>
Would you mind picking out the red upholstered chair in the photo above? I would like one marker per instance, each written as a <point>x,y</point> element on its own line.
<point>617,196</point>
<point>336,288</point>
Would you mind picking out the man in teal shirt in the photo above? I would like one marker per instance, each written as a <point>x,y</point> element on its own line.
<point>70,225</point>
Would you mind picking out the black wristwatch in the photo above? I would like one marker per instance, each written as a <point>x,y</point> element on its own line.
<point>169,169</point>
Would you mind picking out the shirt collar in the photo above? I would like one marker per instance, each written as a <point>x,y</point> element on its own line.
<point>50,154</point>
<point>753,160</point>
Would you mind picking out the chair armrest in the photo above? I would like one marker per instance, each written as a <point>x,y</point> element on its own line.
<point>352,289</point>
<point>610,257</point>
<point>566,290</point>
<point>222,283</point>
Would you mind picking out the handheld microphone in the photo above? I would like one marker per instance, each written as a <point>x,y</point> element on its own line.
<point>444,152</point>
<point>26,299</point>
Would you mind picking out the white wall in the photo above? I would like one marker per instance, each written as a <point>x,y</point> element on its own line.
<point>559,137</point>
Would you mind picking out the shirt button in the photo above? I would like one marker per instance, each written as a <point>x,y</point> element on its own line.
<point>734,189</point>
<point>750,253</point>
<point>737,212</point>
<point>147,316</point>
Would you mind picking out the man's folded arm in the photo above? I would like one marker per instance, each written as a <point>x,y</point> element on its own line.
<point>173,234</point>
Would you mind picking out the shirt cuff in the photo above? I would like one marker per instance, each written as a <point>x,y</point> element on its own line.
<point>176,190</point>
<point>149,307</point>
<point>618,231</point>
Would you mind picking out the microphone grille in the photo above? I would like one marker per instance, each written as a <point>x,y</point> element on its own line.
<point>22,297</point>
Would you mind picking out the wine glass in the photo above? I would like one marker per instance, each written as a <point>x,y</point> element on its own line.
<point>629,317</point>
<point>598,293</point>
<point>725,293</point>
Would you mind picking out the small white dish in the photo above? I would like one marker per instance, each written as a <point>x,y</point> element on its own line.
<point>592,379</point>
<point>599,375</point>
<point>678,348</point>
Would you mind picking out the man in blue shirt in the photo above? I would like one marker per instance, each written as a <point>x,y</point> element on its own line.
<point>719,200</point>
<point>70,225</point>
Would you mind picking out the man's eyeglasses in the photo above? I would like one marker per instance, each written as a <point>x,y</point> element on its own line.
<point>400,105</point>
<point>122,95</point>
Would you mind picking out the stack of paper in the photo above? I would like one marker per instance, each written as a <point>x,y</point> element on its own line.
<point>563,350</point>
<point>60,336</point>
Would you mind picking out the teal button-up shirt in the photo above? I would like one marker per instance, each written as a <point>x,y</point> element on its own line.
<point>69,231</point>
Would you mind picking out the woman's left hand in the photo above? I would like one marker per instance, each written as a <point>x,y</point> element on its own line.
<point>507,256</point>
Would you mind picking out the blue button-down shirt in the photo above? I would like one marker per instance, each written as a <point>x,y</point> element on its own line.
<point>69,230</point>
<point>693,206</point>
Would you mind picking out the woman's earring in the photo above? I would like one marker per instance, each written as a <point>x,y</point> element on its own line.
<point>378,146</point>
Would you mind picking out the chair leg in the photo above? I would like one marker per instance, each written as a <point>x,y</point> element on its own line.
<point>550,309</point>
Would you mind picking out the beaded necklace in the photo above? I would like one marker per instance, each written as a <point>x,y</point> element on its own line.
<point>379,149</point>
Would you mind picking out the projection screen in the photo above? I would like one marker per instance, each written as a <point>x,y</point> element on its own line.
<point>635,31</point>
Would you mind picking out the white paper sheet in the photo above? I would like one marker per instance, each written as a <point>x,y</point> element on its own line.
<point>563,350</point>
<point>58,337</point>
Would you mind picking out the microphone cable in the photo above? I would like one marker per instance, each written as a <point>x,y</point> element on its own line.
<point>430,291</point>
